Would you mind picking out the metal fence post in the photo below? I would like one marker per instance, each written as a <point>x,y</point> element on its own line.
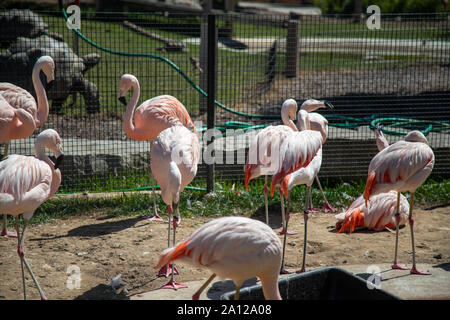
<point>212,76</point>
<point>203,65</point>
<point>292,47</point>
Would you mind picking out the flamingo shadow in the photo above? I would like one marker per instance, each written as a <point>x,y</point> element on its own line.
<point>274,215</point>
<point>98,229</point>
<point>102,292</point>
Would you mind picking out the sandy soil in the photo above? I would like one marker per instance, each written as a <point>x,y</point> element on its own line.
<point>103,247</point>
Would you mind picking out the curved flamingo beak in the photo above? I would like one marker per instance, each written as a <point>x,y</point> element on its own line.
<point>328,105</point>
<point>58,161</point>
<point>123,100</point>
<point>49,85</point>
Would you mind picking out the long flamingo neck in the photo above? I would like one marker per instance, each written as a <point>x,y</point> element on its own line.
<point>287,121</point>
<point>39,151</point>
<point>24,125</point>
<point>128,125</point>
<point>310,107</point>
<point>43,109</point>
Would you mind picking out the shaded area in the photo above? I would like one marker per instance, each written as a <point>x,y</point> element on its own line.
<point>102,292</point>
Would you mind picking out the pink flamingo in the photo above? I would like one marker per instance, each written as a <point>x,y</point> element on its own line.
<point>150,118</point>
<point>19,127</point>
<point>382,206</point>
<point>27,182</point>
<point>175,155</point>
<point>237,248</point>
<point>403,166</point>
<point>299,150</point>
<point>262,155</point>
<point>319,123</point>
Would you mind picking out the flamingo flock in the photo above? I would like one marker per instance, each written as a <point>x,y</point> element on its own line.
<point>237,248</point>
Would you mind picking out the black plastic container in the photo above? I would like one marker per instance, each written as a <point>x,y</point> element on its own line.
<point>329,283</point>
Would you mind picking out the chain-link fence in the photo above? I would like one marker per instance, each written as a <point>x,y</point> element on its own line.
<point>397,76</point>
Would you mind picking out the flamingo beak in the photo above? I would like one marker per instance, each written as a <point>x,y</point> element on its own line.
<point>49,84</point>
<point>58,161</point>
<point>328,105</point>
<point>123,100</point>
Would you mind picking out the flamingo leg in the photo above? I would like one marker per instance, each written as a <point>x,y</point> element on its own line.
<point>167,269</point>
<point>283,270</point>
<point>266,203</point>
<point>196,295</point>
<point>396,265</point>
<point>5,232</point>
<point>414,270</point>
<point>21,253</point>
<point>155,216</point>
<point>327,206</point>
<point>21,259</point>
<point>305,217</point>
<point>172,284</point>
<point>283,216</point>
<point>236,295</point>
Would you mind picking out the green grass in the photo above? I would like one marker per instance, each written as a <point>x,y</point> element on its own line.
<point>230,198</point>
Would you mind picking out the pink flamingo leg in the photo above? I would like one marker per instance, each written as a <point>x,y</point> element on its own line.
<point>396,265</point>
<point>283,270</point>
<point>5,233</point>
<point>283,217</point>
<point>327,206</point>
<point>414,269</point>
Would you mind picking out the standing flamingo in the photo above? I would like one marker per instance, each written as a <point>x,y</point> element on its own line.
<point>403,166</point>
<point>175,155</point>
<point>263,152</point>
<point>237,248</point>
<point>318,123</point>
<point>27,182</point>
<point>300,160</point>
<point>21,99</point>
<point>150,118</point>
<point>382,206</point>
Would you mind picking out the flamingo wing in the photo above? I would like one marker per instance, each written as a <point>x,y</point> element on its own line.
<point>260,159</point>
<point>25,183</point>
<point>18,98</point>
<point>402,166</point>
<point>297,151</point>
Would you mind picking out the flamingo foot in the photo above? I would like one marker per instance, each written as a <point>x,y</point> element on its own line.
<point>301,270</point>
<point>167,270</point>
<point>172,284</point>
<point>8,234</point>
<point>414,270</point>
<point>329,208</point>
<point>399,266</point>
<point>283,231</point>
<point>285,271</point>
<point>154,217</point>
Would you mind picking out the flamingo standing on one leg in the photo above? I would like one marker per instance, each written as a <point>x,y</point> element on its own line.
<point>27,182</point>
<point>263,152</point>
<point>237,248</point>
<point>175,155</point>
<point>150,118</point>
<point>21,99</point>
<point>300,160</point>
<point>318,123</point>
<point>403,166</point>
<point>382,206</point>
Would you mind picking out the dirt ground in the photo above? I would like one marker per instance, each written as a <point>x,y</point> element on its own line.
<point>103,247</point>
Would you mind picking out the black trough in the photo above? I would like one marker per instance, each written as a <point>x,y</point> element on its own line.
<point>329,283</point>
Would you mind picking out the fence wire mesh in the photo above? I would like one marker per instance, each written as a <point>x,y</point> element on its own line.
<point>397,76</point>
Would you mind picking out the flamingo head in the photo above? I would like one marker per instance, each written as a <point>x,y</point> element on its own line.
<point>50,139</point>
<point>125,83</point>
<point>311,105</point>
<point>290,108</point>
<point>47,66</point>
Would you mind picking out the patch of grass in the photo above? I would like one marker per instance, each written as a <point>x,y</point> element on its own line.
<point>230,198</point>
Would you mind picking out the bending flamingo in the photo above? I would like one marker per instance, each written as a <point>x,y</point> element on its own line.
<point>21,99</point>
<point>237,248</point>
<point>300,160</point>
<point>263,152</point>
<point>27,182</point>
<point>403,166</point>
<point>318,123</point>
<point>150,118</point>
<point>382,206</point>
<point>175,155</point>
